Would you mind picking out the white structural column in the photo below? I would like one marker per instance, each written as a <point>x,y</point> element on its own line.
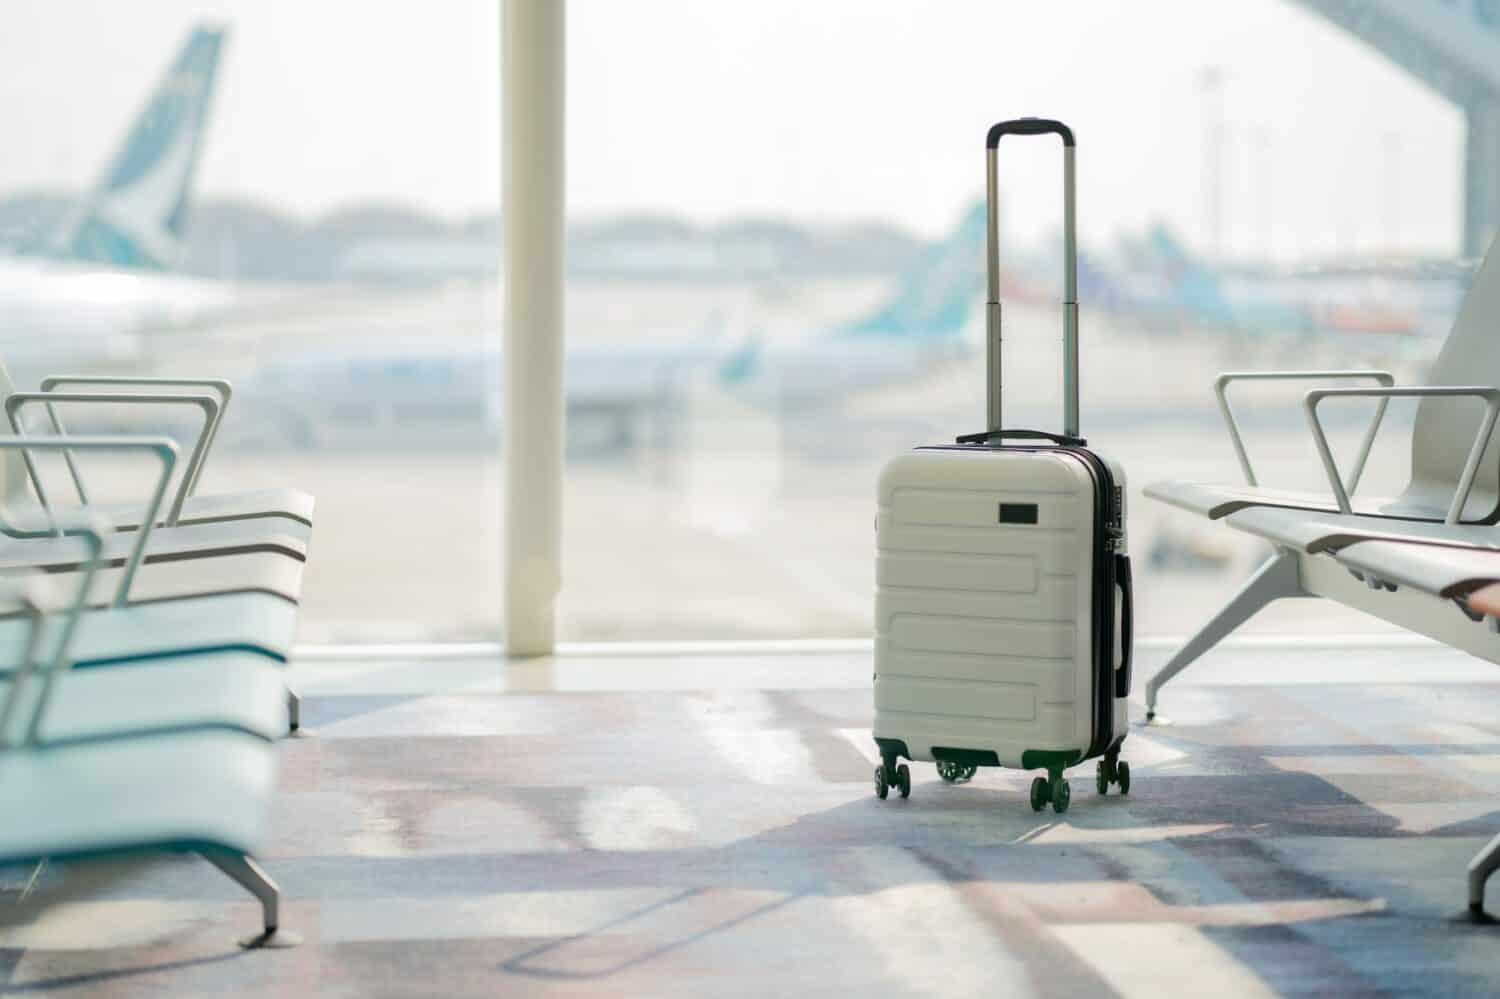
<point>532,62</point>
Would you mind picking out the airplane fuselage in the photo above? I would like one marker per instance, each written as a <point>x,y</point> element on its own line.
<point>57,312</point>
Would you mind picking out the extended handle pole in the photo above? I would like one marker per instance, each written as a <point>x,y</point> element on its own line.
<point>1070,299</point>
<point>993,363</point>
<point>992,337</point>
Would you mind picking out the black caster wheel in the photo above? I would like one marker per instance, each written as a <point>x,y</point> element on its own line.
<point>955,773</point>
<point>1101,778</point>
<point>1122,776</point>
<point>1061,795</point>
<point>1041,793</point>
<point>903,780</point>
<point>881,787</point>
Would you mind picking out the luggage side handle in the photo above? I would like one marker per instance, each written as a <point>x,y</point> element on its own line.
<point>1127,625</point>
<point>1035,435</point>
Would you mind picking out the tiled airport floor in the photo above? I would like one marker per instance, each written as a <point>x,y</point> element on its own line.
<point>703,825</point>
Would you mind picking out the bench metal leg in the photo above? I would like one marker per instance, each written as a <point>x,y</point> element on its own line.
<point>1485,863</point>
<point>293,710</point>
<point>248,875</point>
<point>1277,577</point>
<point>31,882</point>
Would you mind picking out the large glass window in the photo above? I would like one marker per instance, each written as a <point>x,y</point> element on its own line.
<point>302,198</point>
<point>775,272</point>
<point>1258,188</point>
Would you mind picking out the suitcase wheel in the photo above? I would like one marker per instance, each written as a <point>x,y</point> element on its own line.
<point>1112,770</point>
<point>955,773</point>
<point>1041,793</point>
<point>1062,793</point>
<point>881,787</point>
<point>1054,789</point>
<point>903,780</point>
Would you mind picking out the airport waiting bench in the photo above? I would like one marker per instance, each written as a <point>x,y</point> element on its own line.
<point>285,511</point>
<point>1428,559</point>
<point>248,542</point>
<point>166,752</point>
<point>146,715</point>
<point>151,592</point>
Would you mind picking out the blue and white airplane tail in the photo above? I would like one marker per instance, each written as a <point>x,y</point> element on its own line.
<point>136,215</point>
<point>1199,288</point>
<point>921,324</point>
<point>941,292</point>
<point>1254,308</point>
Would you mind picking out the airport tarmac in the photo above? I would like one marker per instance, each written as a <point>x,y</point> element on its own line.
<point>741,521</point>
<point>409,549</point>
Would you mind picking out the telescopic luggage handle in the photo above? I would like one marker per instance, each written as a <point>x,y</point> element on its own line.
<point>1031,126</point>
<point>1031,435</point>
<point>1028,126</point>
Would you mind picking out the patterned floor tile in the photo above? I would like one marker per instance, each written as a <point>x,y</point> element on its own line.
<point>693,825</point>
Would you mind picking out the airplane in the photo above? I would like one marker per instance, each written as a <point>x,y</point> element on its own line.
<point>1164,285</point>
<point>345,393</point>
<point>91,292</point>
<point>921,324</point>
<point>1158,281</point>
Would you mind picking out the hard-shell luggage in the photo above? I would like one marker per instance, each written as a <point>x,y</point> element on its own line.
<point>1003,602</point>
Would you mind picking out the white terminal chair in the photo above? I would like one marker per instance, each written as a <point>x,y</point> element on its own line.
<point>136,759</point>
<point>291,510</point>
<point>210,622</point>
<point>256,547</point>
<point>1426,559</point>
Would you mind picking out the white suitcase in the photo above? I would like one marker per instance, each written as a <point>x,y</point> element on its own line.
<point>1003,599</point>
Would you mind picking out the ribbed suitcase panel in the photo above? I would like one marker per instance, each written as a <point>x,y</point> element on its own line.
<point>945,698</point>
<point>928,570</point>
<point>1052,684</point>
<point>1006,738</point>
<point>983,634</point>
<point>1057,507</point>
<point>993,541</point>
<point>1053,596</point>
<point>917,633</point>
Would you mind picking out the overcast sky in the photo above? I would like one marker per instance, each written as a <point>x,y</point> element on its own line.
<point>811,109</point>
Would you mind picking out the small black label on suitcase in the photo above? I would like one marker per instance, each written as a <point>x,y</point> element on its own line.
<point>1018,513</point>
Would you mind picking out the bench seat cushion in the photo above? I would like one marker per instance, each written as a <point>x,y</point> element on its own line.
<point>184,789</point>
<point>292,510</point>
<point>1441,571</point>
<point>1216,501</point>
<point>233,690</point>
<point>1312,532</point>
<point>248,622</point>
<point>177,579</point>
<point>192,541</point>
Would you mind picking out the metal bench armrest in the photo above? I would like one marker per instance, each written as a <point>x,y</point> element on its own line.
<point>33,602</point>
<point>1221,392</point>
<point>1491,397</point>
<point>220,386</point>
<point>209,404</point>
<point>165,450</point>
<point>38,602</point>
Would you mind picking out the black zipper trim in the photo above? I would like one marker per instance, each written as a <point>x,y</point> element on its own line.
<point>1107,529</point>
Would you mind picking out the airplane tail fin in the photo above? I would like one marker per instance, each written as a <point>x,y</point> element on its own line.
<point>136,215</point>
<point>1175,259</point>
<point>938,296</point>
<point>1198,287</point>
